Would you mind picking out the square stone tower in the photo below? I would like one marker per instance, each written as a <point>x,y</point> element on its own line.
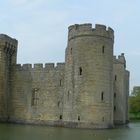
<point>8,55</point>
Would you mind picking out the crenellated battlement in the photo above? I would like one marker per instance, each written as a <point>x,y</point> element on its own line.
<point>60,66</point>
<point>81,27</point>
<point>39,66</point>
<point>78,30</point>
<point>49,65</point>
<point>120,59</point>
<point>26,66</point>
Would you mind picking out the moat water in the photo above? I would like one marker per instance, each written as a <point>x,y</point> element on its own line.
<point>30,132</point>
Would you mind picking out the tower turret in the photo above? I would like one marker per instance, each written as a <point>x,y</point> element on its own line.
<point>88,76</point>
<point>8,54</point>
<point>121,90</point>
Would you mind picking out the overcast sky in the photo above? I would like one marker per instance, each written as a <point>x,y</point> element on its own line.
<point>40,26</point>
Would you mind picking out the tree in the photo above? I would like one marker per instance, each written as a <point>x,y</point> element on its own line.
<point>134,104</point>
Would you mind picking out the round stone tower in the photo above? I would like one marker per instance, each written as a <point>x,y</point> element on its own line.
<point>88,93</point>
<point>8,55</point>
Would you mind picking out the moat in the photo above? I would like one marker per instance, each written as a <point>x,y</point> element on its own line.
<point>28,132</point>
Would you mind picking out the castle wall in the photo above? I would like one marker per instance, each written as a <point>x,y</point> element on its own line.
<point>37,92</point>
<point>89,90</point>
<point>121,90</point>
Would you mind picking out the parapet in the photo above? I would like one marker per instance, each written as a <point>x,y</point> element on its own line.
<point>120,60</point>
<point>78,30</point>
<point>49,65</point>
<point>17,67</point>
<point>60,66</point>
<point>39,66</point>
<point>27,66</point>
<point>82,27</point>
<point>23,67</point>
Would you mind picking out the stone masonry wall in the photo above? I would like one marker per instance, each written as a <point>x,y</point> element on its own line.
<point>36,93</point>
<point>121,90</point>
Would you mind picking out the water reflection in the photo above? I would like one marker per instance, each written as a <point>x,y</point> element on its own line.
<point>27,132</point>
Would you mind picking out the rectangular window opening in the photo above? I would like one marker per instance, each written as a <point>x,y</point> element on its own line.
<point>60,82</point>
<point>114,108</point>
<point>78,118</point>
<point>80,71</point>
<point>58,103</point>
<point>102,96</point>
<point>35,97</point>
<point>115,77</point>
<point>60,117</point>
<point>114,94</point>
<point>68,95</point>
<point>103,49</point>
<point>71,51</point>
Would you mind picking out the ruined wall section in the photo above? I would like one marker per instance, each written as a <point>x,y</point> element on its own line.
<point>37,92</point>
<point>121,90</point>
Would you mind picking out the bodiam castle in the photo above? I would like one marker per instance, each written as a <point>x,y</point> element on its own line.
<point>89,90</point>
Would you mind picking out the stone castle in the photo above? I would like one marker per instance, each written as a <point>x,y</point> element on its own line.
<point>89,90</point>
